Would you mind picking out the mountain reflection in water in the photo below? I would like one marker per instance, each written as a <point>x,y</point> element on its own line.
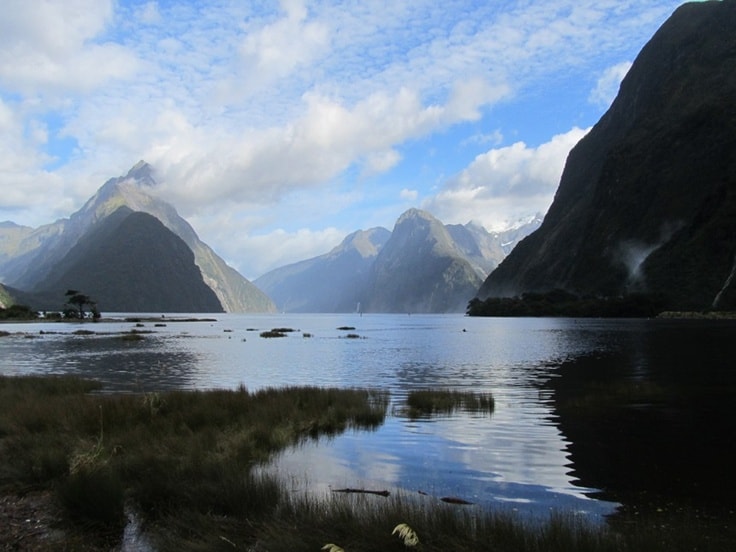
<point>588,413</point>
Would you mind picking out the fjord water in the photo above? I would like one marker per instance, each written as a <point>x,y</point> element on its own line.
<point>522,457</point>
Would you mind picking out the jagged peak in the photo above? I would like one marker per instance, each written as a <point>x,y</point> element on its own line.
<point>142,173</point>
<point>365,242</point>
<point>413,214</point>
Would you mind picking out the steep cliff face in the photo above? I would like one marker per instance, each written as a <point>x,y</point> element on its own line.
<point>130,262</point>
<point>647,200</point>
<point>420,269</point>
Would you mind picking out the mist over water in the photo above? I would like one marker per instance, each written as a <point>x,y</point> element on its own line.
<point>517,457</point>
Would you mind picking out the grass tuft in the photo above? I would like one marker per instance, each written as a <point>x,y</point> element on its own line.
<point>272,333</point>
<point>427,402</point>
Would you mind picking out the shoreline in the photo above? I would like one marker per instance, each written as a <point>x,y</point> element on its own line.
<point>132,319</point>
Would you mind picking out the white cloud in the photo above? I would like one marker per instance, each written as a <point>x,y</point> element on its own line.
<point>255,254</point>
<point>275,50</point>
<point>50,47</point>
<point>505,183</point>
<point>493,138</point>
<point>409,195</point>
<point>607,86</point>
<point>268,165</point>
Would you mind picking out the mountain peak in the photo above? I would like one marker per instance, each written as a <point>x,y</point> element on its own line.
<point>413,214</point>
<point>366,242</point>
<point>52,243</point>
<point>142,173</point>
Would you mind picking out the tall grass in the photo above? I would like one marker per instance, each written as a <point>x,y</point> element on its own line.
<point>184,461</point>
<point>426,402</point>
<point>166,453</point>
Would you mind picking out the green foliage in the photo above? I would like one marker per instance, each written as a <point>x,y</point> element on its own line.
<point>5,298</point>
<point>562,303</point>
<point>17,312</point>
<point>79,301</point>
<point>173,454</point>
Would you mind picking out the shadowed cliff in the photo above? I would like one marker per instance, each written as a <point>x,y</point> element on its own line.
<point>647,200</point>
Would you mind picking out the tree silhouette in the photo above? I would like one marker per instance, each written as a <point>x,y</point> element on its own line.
<point>79,301</point>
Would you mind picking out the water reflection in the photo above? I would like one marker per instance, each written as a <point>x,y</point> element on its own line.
<point>119,363</point>
<point>516,458</point>
<point>658,427</point>
<point>530,455</point>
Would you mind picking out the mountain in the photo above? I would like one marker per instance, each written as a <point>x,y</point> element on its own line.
<point>357,272</point>
<point>420,269</point>
<point>119,263</point>
<point>486,250</point>
<point>5,298</point>
<point>333,282</point>
<point>30,256</point>
<point>647,200</point>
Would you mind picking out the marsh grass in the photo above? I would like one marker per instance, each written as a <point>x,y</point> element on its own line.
<point>362,523</point>
<point>169,454</point>
<point>184,461</point>
<point>428,402</point>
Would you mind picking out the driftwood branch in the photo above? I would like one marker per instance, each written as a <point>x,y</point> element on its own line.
<point>363,491</point>
<point>448,499</point>
<point>454,500</point>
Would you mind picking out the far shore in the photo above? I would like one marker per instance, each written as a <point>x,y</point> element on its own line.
<point>133,319</point>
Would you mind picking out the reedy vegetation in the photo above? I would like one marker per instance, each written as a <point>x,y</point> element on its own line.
<point>424,402</point>
<point>165,454</point>
<point>184,461</point>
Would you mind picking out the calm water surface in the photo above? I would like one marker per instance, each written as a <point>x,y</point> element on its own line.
<point>516,458</point>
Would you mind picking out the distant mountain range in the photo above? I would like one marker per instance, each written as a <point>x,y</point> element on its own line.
<point>125,261</point>
<point>421,266</point>
<point>647,200</point>
<point>132,252</point>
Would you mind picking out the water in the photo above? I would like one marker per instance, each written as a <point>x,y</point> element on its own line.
<point>518,458</point>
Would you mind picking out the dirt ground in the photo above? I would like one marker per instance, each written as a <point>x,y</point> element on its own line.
<point>28,522</point>
<point>32,522</point>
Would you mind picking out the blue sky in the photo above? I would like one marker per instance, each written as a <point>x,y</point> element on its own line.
<point>276,128</point>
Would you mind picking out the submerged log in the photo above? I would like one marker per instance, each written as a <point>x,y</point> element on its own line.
<point>364,491</point>
<point>454,500</point>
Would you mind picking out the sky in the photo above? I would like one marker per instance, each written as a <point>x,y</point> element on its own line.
<point>277,128</point>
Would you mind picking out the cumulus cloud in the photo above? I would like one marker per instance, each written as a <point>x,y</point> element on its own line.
<point>606,88</point>
<point>267,165</point>
<point>275,50</point>
<point>50,47</point>
<point>505,183</point>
